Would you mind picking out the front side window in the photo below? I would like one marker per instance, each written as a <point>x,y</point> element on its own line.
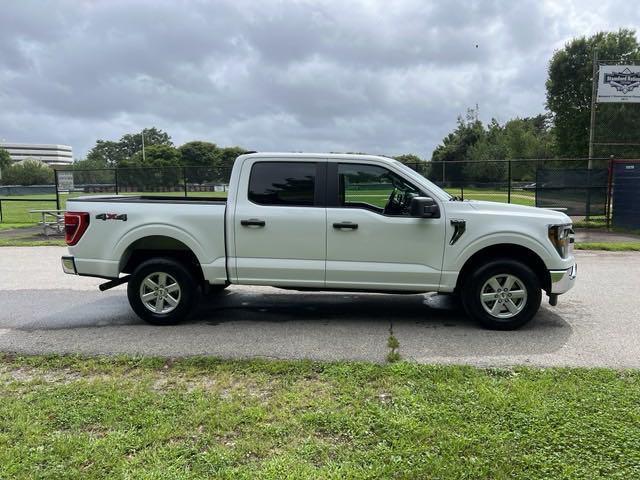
<point>283,183</point>
<point>374,188</point>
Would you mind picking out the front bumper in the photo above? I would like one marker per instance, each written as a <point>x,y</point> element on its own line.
<point>69,265</point>
<point>563,280</point>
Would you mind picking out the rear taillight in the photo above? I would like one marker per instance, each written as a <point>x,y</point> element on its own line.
<point>75,224</point>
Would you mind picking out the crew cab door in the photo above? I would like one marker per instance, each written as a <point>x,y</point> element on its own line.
<point>372,241</point>
<point>280,223</point>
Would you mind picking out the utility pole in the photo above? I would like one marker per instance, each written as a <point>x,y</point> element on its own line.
<point>594,94</point>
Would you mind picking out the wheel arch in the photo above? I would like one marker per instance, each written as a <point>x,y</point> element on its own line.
<point>508,251</point>
<point>153,246</point>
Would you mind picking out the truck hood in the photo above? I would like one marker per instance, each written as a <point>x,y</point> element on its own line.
<point>496,208</point>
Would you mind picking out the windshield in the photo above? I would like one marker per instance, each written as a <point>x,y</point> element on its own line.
<point>410,172</point>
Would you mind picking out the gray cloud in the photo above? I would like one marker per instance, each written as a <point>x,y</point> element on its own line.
<point>381,77</point>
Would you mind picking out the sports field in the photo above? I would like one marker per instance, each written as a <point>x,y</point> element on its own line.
<point>15,209</point>
<point>379,198</point>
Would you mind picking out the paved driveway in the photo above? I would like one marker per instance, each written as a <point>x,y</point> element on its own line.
<point>596,324</point>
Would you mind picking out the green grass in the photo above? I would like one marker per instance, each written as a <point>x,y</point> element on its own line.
<point>32,242</point>
<point>69,418</point>
<point>379,197</point>
<point>519,197</point>
<point>12,226</point>
<point>610,246</point>
<point>16,212</point>
<point>598,223</point>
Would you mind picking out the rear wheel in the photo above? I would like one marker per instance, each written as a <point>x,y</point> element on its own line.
<point>162,291</point>
<point>502,295</point>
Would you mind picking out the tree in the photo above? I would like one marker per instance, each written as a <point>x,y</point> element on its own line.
<point>490,146</point>
<point>409,159</point>
<point>569,86</point>
<point>200,159</point>
<point>111,153</point>
<point>414,162</point>
<point>28,172</point>
<point>455,147</point>
<point>228,155</point>
<point>131,143</point>
<point>139,174</point>
<point>106,153</point>
<point>93,172</point>
<point>5,160</point>
<point>199,154</point>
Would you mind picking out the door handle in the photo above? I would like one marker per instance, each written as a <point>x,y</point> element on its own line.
<point>349,225</point>
<point>252,222</point>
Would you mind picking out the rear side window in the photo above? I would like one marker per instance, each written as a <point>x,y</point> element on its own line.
<point>283,183</point>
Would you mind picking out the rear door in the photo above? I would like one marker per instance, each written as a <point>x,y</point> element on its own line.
<point>372,241</point>
<point>280,223</point>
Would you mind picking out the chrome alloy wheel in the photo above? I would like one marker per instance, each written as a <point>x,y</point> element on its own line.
<point>160,292</point>
<point>503,296</point>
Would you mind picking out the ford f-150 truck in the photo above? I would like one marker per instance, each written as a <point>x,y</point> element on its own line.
<point>323,222</point>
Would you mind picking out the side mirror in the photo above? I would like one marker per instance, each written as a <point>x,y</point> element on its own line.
<point>424,207</point>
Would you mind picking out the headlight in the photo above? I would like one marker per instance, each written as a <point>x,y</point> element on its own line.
<point>561,237</point>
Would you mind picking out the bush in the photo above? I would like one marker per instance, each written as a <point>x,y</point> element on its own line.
<point>28,172</point>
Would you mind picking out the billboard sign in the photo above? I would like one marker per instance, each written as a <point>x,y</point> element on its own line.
<point>65,180</point>
<point>619,83</point>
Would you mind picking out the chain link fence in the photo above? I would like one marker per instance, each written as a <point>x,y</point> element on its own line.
<point>567,185</point>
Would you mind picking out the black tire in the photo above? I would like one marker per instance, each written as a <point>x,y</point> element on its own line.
<point>478,283</point>
<point>187,294</point>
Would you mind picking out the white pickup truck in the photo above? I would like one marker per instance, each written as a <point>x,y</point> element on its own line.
<point>323,222</point>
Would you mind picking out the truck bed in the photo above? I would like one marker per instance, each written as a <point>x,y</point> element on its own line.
<point>120,223</point>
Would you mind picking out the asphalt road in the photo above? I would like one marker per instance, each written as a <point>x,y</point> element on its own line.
<point>596,324</point>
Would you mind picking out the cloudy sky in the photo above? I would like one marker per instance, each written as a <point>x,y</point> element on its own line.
<point>385,77</point>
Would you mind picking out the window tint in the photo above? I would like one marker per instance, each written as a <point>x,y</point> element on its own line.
<point>283,183</point>
<point>374,188</point>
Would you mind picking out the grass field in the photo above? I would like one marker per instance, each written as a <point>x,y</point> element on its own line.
<point>376,197</point>
<point>32,242</point>
<point>70,418</point>
<point>16,210</point>
<point>610,246</point>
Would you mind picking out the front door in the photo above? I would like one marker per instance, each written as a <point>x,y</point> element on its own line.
<point>372,242</point>
<point>280,224</point>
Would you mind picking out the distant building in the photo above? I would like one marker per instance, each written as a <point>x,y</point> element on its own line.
<point>49,154</point>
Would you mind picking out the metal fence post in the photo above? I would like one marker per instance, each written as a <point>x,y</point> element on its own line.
<point>509,181</point>
<point>0,211</point>
<point>607,207</point>
<point>184,178</point>
<point>588,206</point>
<point>115,178</point>
<point>55,178</point>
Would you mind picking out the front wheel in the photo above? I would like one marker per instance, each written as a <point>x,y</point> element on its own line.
<point>162,291</point>
<point>502,295</point>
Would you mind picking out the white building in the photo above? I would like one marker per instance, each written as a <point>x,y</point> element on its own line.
<point>49,154</point>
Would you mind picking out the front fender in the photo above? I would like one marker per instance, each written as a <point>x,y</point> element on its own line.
<point>460,256</point>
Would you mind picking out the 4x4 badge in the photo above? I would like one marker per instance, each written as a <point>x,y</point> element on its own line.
<point>112,216</point>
